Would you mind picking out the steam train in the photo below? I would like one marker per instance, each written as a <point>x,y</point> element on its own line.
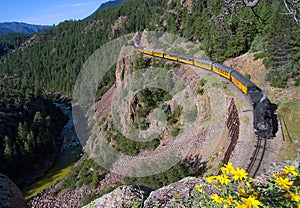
<point>262,123</point>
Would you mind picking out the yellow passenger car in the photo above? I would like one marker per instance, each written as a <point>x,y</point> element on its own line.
<point>241,82</point>
<point>147,51</point>
<point>222,70</point>
<point>186,59</point>
<point>158,53</point>
<point>202,63</point>
<point>170,56</point>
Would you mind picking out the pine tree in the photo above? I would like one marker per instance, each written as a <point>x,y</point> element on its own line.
<point>8,150</point>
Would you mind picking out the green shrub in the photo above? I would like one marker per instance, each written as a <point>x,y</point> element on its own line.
<point>177,172</point>
<point>95,180</point>
<point>191,115</point>
<point>175,131</point>
<point>248,76</point>
<point>258,44</point>
<point>297,81</point>
<point>259,55</point>
<point>173,117</point>
<point>279,76</point>
<point>132,147</point>
<point>202,82</point>
<point>200,91</point>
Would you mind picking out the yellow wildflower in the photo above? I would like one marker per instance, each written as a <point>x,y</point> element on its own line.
<point>278,175</point>
<point>91,204</point>
<point>216,198</point>
<point>295,197</point>
<point>284,183</point>
<point>228,169</point>
<point>242,192</point>
<point>223,179</point>
<point>229,200</point>
<point>248,184</point>
<point>238,205</point>
<point>199,188</point>
<point>252,202</point>
<point>211,179</point>
<point>290,169</point>
<point>239,174</point>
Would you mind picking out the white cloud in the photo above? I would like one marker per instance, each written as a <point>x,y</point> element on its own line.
<point>43,20</point>
<point>74,5</point>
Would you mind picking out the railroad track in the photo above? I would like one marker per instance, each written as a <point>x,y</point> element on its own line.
<point>257,157</point>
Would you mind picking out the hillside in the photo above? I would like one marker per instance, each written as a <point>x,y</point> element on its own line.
<point>20,27</point>
<point>107,5</point>
<point>75,41</point>
<point>10,42</point>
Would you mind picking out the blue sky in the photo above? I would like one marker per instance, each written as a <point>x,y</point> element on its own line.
<point>46,12</point>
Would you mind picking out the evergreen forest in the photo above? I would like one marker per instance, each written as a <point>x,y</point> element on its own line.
<point>33,68</point>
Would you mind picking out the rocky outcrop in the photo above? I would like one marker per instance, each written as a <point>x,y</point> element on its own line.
<point>167,196</point>
<point>125,196</point>
<point>10,195</point>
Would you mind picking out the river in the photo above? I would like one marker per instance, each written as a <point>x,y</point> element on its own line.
<point>70,153</point>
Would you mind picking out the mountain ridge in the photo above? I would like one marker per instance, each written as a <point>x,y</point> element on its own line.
<point>21,27</point>
<point>105,6</point>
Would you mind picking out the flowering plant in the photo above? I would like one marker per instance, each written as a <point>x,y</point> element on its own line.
<point>234,188</point>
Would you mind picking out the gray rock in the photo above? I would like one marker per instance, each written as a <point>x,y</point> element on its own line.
<point>176,193</point>
<point>10,194</point>
<point>124,196</point>
<point>277,167</point>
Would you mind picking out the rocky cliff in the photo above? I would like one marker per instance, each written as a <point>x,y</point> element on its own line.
<point>10,195</point>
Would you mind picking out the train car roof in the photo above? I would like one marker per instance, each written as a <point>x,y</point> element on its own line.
<point>223,67</point>
<point>242,79</point>
<point>148,49</point>
<point>171,54</point>
<point>185,57</point>
<point>203,60</point>
<point>157,51</point>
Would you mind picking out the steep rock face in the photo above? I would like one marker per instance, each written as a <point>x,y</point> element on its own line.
<point>125,64</point>
<point>10,195</point>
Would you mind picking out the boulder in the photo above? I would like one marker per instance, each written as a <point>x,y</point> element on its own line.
<point>181,191</point>
<point>124,196</point>
<point>10,194</point>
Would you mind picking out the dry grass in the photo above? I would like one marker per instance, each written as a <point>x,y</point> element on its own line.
<point>290,113</point>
